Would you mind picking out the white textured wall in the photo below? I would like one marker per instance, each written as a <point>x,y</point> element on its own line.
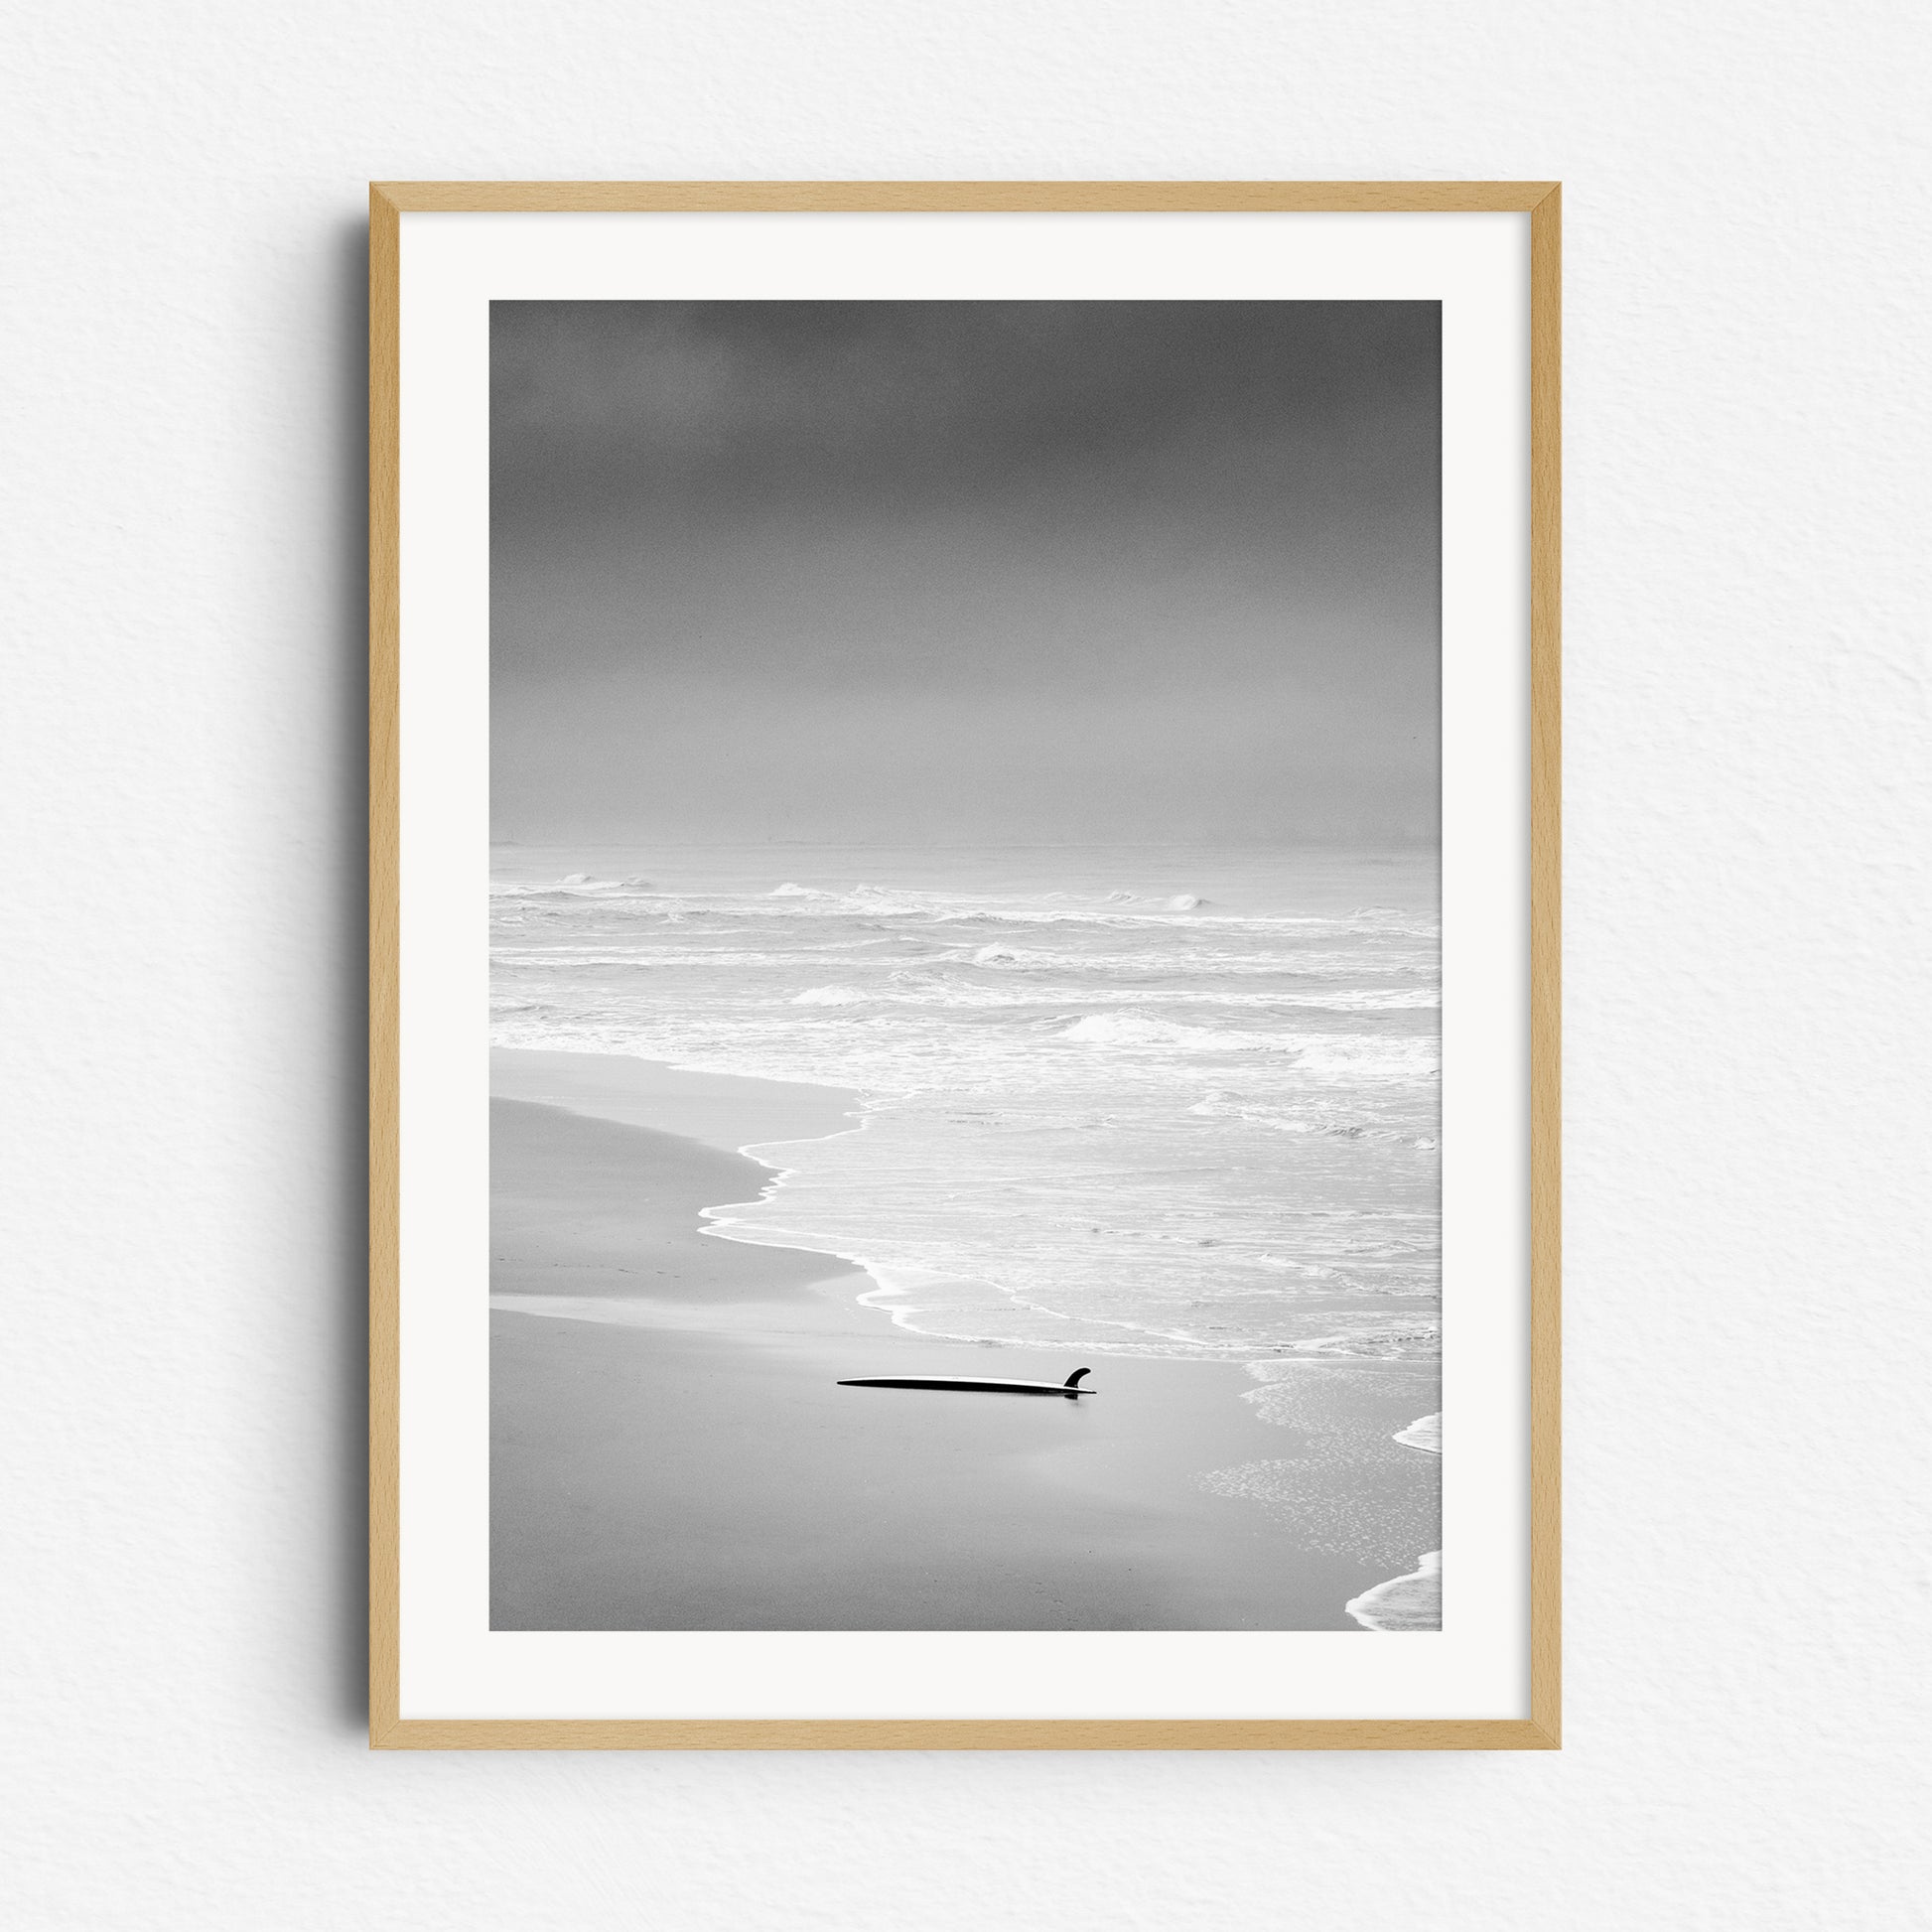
<point>1747,1062</point>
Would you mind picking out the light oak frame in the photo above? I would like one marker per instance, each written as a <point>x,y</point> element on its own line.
<point>1542,201</point>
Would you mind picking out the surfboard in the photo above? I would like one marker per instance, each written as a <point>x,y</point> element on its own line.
<point>979,1385</point>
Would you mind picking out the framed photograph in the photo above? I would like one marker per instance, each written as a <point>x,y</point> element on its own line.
<point>964,893</point>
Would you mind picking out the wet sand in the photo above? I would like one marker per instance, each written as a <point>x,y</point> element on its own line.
<point>722,1112</point>
<point>670,1448</point>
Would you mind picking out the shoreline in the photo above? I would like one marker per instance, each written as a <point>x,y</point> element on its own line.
<point>671,1449</point>
<point>708,1107</point>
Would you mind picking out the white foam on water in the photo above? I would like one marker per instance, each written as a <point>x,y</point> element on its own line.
<point>1424,1432</point>
<point>1409,1602</point>
<point>1037,1157</point>
<point>1134,1030</point>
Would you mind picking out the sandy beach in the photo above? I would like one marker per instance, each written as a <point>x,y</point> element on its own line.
<point>670,1448</point>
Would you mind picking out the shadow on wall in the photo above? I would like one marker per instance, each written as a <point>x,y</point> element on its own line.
<point>348,377</point>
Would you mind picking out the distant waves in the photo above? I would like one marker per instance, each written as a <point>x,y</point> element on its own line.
<point>1099,1113</point>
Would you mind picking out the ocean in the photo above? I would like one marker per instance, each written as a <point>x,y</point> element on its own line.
<point>1158,1100</point>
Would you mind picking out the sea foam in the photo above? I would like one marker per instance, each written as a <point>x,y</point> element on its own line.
<point>1409,1602</point>
<point>1426,1433</point>
<point>1038,1156</point>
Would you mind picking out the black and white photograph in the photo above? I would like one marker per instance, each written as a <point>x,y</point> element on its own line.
<point>965,996</point>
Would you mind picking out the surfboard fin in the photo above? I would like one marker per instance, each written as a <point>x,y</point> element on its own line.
<point>1075,1376</point>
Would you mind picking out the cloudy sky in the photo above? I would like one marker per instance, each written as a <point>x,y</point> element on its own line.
<point>1039,571</point>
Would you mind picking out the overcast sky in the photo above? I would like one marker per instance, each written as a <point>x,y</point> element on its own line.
<point>879,572</point>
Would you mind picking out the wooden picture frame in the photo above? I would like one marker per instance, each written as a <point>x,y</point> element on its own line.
<point>390,203</point>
